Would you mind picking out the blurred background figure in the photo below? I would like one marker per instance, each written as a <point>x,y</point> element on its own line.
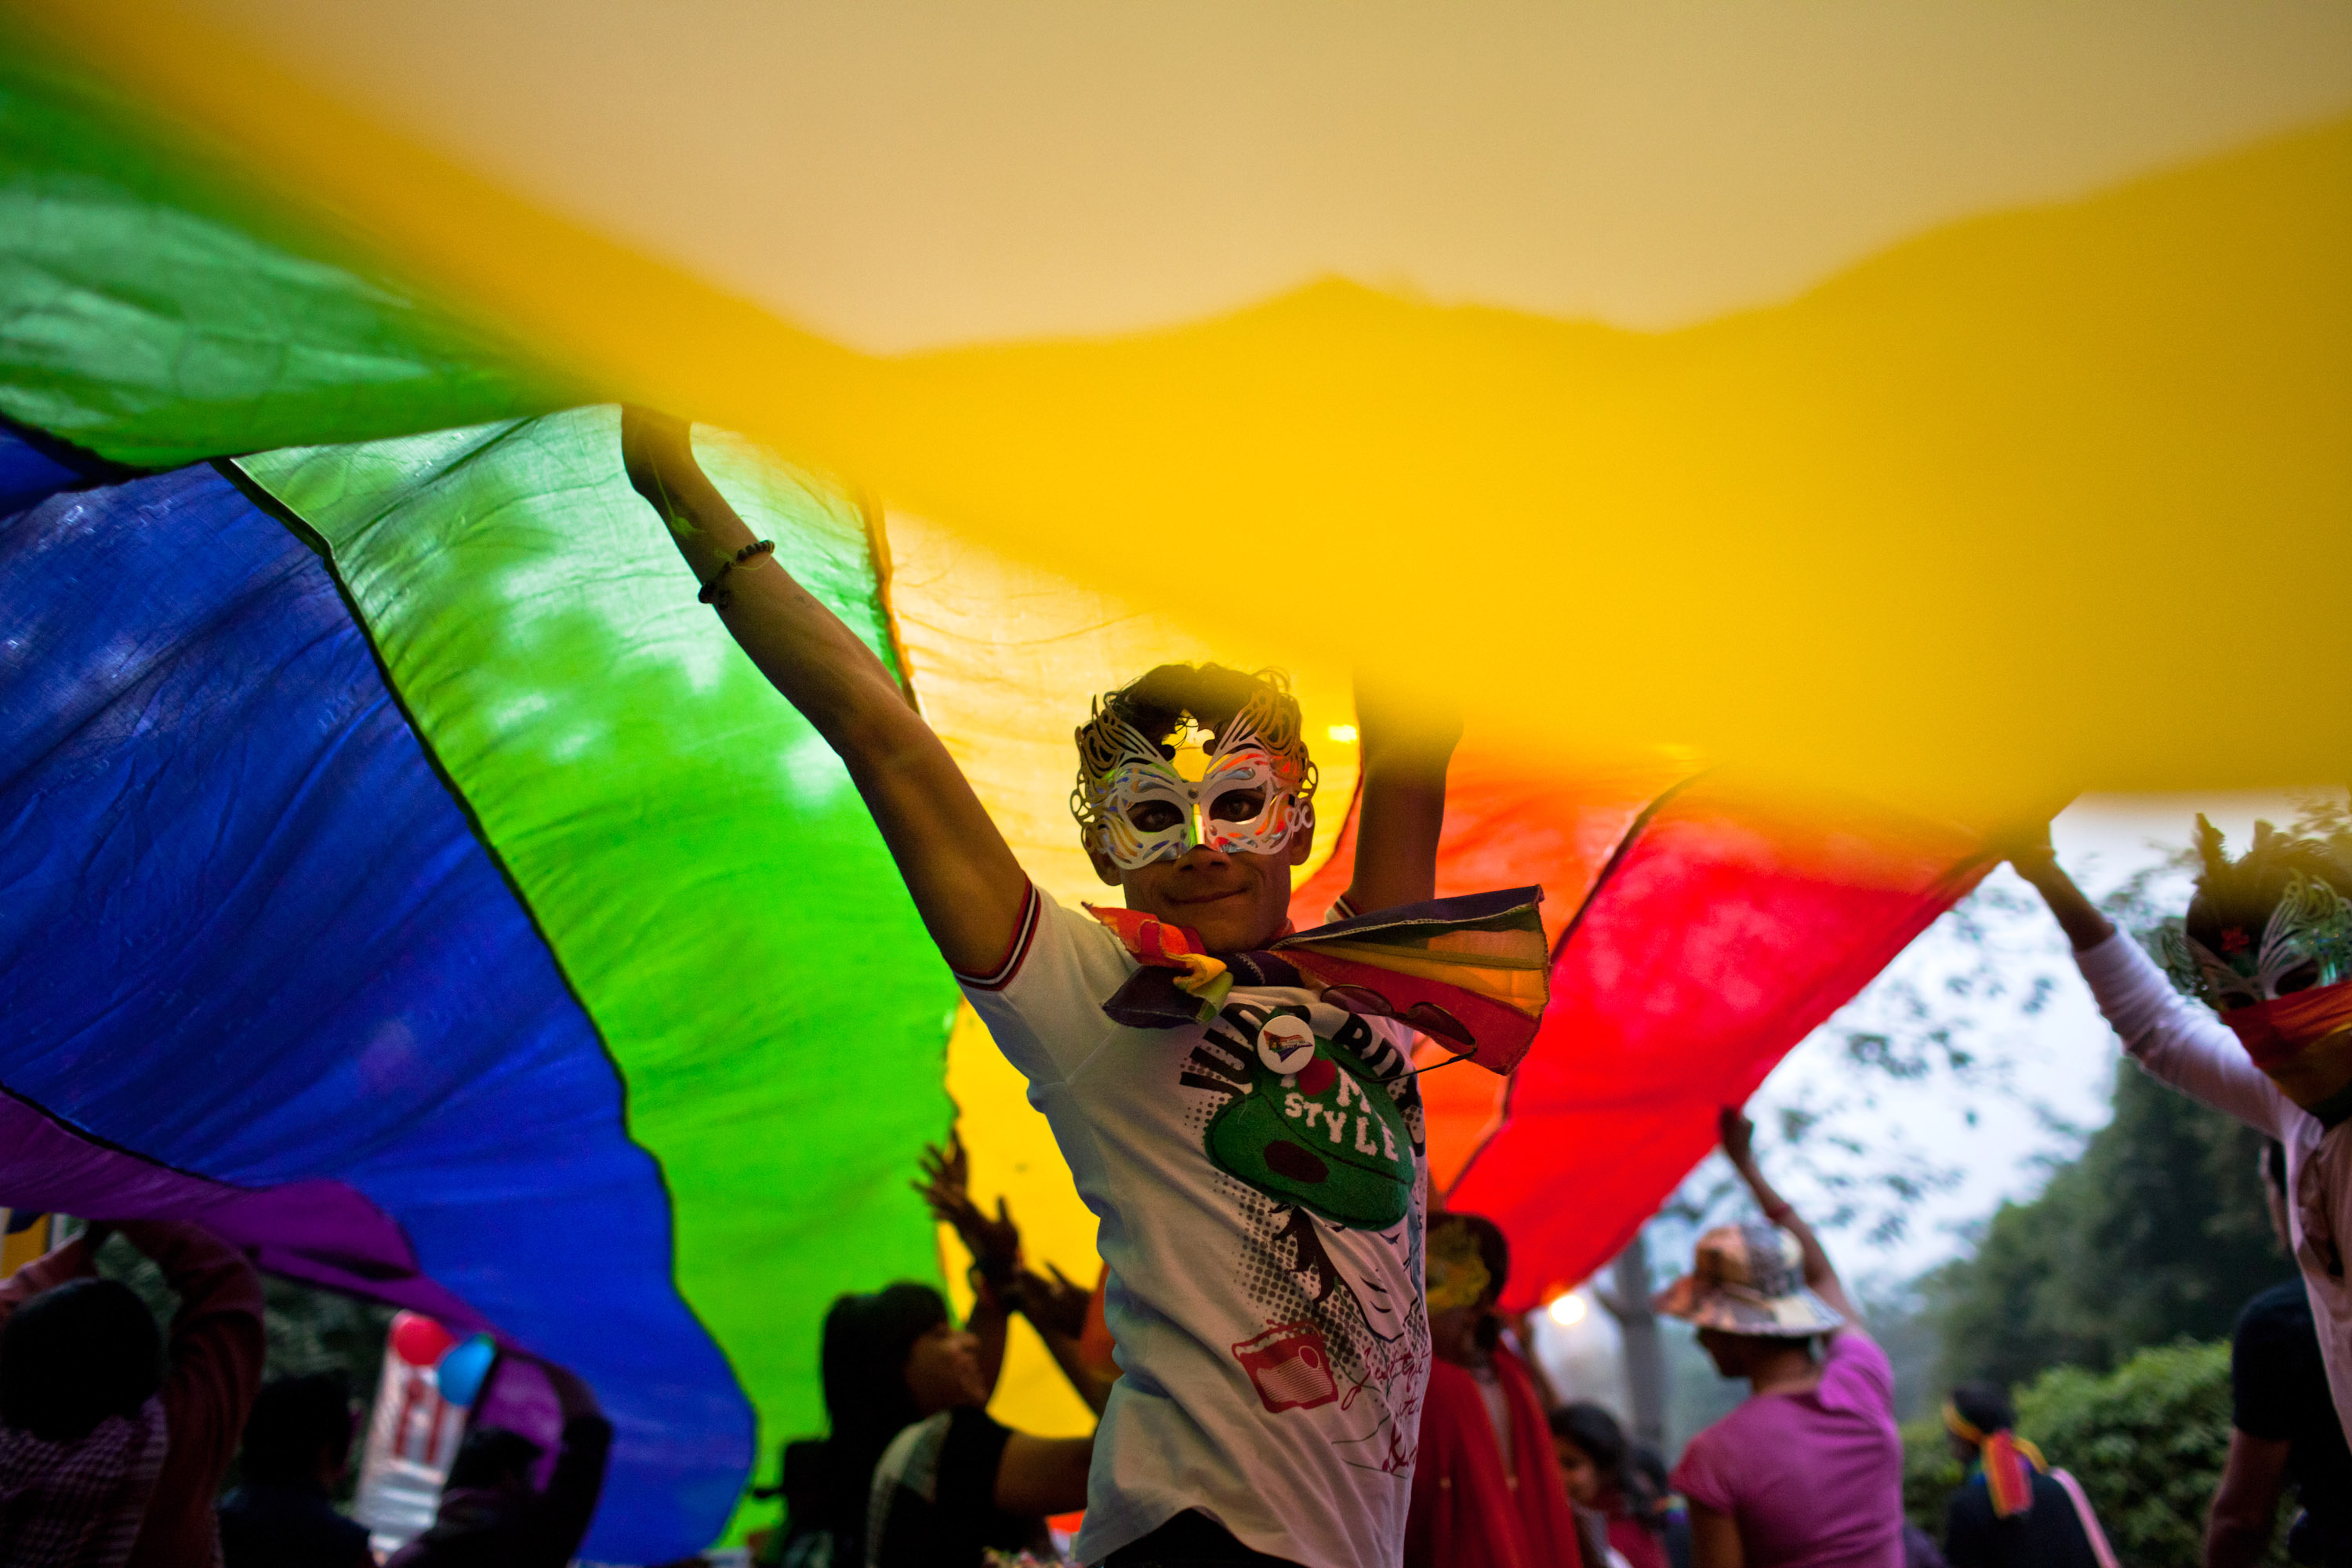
<point>491,1516</point>
<point>912,1446</point>
<point>298,1447</point>
<point>113,1439</point>
<point>1486,1490</point>
<point>2013,1511</point>
<point>2284,1432</point>
<point>1066,1315</point>
<point>1595,1462</point>
<point>1809,1469</point>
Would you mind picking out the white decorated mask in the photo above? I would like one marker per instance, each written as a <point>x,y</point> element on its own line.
<point>1245,800</point>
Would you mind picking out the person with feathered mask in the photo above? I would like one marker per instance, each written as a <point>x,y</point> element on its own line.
<point>2244,1004</point>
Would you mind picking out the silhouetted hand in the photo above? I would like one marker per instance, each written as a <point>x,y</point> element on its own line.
<point>1059,1304</point>
<point>1738,1135</point>
<point>2025,846</point>
<point>994,1244</point>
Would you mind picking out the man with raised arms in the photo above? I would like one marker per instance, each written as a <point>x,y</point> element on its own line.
<point>1252,1151</point>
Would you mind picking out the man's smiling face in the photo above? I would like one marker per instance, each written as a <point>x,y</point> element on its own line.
<point>1232,902</point>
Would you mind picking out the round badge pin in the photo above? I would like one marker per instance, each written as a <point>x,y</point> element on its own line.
<point>1285,1044</point>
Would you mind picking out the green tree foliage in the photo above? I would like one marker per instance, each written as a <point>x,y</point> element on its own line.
<point>1931,1473</point>
<point>2147,1440</point>
<point>2158,1231</point>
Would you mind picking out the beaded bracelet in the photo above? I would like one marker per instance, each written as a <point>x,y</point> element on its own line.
<point>720,598</point>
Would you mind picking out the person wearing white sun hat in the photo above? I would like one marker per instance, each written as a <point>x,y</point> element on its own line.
<point>1808,1468</point>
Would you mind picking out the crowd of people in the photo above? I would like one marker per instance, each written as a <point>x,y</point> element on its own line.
<point>117,1434</point>
<point>1808,1471</point>
<point>1184,1064</point>
<point>1292,1359</point>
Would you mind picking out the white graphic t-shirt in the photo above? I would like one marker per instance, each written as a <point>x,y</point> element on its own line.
<point>1261,1181</point>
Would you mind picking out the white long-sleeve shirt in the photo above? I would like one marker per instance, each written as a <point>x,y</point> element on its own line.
<point>2182,1043</point>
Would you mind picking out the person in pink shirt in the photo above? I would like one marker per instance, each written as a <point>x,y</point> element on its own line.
<point>1809,1469</point>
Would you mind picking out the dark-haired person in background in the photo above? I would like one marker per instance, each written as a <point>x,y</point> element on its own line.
<point>298,1443</point>
<point>1596,1461</point>
<point>112,1440</point>
<point>1486,1490</point>
<point>2264,946</point>
<point>914,1471</point>
<point>2013,1511</point>
<point>2283,1428</point>
<point>491,1514</point>
<point>1660,1510</point>
<point>1808,1471</point>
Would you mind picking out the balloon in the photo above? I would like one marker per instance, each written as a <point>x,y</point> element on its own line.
<point>419,1341</point>
<point>465,1367</point>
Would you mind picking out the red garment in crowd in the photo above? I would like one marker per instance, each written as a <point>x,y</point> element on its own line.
<point>1633,1541</point>
<point>1466,1510</point>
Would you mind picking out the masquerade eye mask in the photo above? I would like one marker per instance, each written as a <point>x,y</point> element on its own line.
<point>1242,804</point>
<point>2308,937</point>
<point>1247,801</point>
<point>2301,1036</point>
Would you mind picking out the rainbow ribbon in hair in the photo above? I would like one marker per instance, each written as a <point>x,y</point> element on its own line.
<point>2010,1462</point>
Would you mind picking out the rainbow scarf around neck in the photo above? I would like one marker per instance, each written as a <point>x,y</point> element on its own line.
<point>2009,1459</point>
<point>1471,972</point>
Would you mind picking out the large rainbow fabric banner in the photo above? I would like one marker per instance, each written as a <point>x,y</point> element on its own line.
<point>405,877</point>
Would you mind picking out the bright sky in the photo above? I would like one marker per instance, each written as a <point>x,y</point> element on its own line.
<point>2067,1056</point>
<point>905,173</point>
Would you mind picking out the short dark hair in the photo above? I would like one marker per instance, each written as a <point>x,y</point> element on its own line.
<point>1646,1475</point>
<point>867,1339</point>
<point>294,1421</point>
<point>1984,1407</point>
<point>863,1361</point>
<point>1155,706</point>
<point>71,1357</point>
<point>490,1456</point>
<point>1591,1429</point>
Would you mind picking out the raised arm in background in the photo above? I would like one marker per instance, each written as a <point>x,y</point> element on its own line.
<point>2180,1042</point>
<point>2031,857</point>
<point>1057,1310</point>
<point>994,1245</point>
<point>213,1370</point>
<point>1821,1277</point>
<point>966,884</point>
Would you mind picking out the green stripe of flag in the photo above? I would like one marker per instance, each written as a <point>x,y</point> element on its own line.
<point>695,853</point>
<point>160,307</point>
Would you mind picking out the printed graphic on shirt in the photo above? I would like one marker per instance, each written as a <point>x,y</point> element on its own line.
<point>1325,1136</point>
<point>1315,1126</point>
<point>1289,1366</point>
